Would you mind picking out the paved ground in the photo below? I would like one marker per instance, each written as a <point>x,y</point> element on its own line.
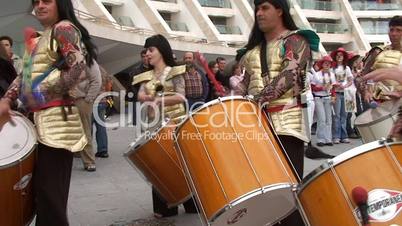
<point>116,195</point>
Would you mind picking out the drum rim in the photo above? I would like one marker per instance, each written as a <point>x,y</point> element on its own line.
<point>35,144</point>
<point>384,117</point>
<point>340,159</point>
<point>249,195</point>
<point>389,115</point>
<point>210,103</point>
<point>133,147</point>
<point>16,162</point>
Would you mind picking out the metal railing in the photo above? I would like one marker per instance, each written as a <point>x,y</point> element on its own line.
<point>171,1</point>
<point>215,3</point>
<point>125,20</point>
<point>228,30</point>
<point>369,5</point>
<point>176,26</point>
<point>331,28</point>
<point>319,5</point>
<point>143,31</point>
<point>375,30</point>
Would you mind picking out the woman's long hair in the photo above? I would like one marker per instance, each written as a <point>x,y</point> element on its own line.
<point>65,9</point>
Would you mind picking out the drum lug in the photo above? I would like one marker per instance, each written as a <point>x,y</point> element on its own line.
<point>382,141</point>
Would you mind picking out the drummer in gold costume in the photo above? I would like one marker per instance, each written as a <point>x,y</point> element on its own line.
<point>162,92</point>
<point>394,74</point>
<point>54,63</point>
<point>277,59</point>
<point>384,57</point>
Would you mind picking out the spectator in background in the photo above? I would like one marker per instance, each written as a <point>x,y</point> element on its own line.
<point>7,42</point>
<point>84,94</point>
<point>321,85</point>
<point>188,59</point>
<point>220,74</point>
<point>311,151</point>
<point>344,79</point>
<point>99,111</point>
<point>143,67</point>
<point>215,87</point>
<point>235,81</point>
<point>7,72</point>
<point>195,92</point>
<point>356,65</point>
<point>213,66</point>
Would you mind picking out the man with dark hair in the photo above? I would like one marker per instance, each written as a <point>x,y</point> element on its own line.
<point>7,42</point>
<point>143,67</point>
<point>277,57</point>
<point>220,74</point>
<point>384,57</point>
<point>44,88</point>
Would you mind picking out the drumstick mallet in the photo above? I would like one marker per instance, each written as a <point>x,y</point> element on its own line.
<point>360,197</point>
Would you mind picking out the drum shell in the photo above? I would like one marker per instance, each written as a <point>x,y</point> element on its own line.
<point>16,179</point>
<point>225,172</point>
<point>158,162</point>
<point>370,166</point>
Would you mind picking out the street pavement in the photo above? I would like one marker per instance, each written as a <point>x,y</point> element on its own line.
<point>117,195</point>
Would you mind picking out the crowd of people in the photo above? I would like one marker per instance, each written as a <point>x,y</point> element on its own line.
<point>59,75</point>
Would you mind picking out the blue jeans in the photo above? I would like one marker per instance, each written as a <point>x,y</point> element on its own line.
<point>101,135</point>
<point>340,117</point>
<point>324,119</point>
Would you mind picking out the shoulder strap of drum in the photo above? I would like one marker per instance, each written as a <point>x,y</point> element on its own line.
<point>263,59</point>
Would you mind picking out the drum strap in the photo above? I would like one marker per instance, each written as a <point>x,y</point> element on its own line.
<point>263,59</point>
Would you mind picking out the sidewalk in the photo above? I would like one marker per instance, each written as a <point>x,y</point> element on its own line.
<point>116,195</point>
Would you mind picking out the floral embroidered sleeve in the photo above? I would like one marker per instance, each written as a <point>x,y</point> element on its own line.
<point>297,56</point>
<point>69,45</point>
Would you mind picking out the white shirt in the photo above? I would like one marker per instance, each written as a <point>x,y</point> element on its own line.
<point>321,79</point>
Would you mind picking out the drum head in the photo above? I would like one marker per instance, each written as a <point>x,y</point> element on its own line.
<point>384,110</point>
<point>16,140</point>
<point>252,208</point>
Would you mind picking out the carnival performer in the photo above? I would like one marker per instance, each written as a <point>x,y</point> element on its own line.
<point>381,57</point>
<point>54,62</point>
<point>277,58</point>
<point>162,90</point>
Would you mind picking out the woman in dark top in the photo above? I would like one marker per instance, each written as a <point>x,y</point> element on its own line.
<point>7,72</point>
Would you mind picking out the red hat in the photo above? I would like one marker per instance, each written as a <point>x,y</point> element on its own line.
<point>342,50</point>
<point>353,56</point>
<point>324,59</point>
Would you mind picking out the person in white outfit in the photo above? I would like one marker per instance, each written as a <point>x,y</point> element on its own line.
<point>321,84</point>
<point>311,151</point>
